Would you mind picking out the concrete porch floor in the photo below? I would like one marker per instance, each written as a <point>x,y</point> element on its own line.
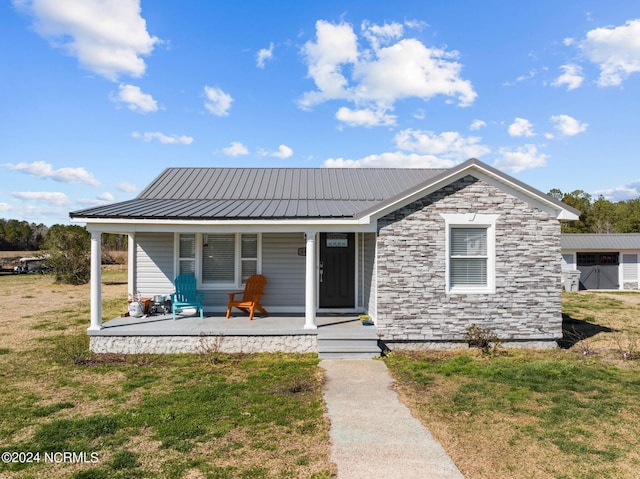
<point>336,335</point>
<point>238,325</point>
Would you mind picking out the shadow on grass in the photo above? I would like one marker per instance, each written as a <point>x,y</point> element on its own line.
<point>575,330</point>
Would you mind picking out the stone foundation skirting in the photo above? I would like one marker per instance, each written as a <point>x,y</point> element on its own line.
<point>451,345</point>
<point>305,343</point>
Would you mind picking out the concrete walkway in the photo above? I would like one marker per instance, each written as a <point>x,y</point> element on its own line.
<point>372,433</point>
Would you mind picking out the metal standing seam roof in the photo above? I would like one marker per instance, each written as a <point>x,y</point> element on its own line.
<point>288,193</point>
<point>260,193</point>
<point>587,241</point>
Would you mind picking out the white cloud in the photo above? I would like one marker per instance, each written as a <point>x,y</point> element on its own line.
<point>108,37</point>
<point>218,102</point>
<point>410,69</point>
<point>477,124</point>
<point>567,125</point>
<point>572,77</point>
<point>236,149</point>
<point>50,197</point>
<point>374,79</point>
<point>106,196</point>
<point>364,117</point>
<point>127,187</point>
<point>135,99</point>
<point>381,34</point>
<point>391,160</point>
<point>263,55</point>
<point>527,76</point>
<point>521,127</point>
<point>42,169</point>
<point>99,200</point>
<point>616,51</point>
<point>335,45</point>
<point>621,193</point>
<point>162,138</point>
<point>420,114</point>
<point>518,159</point>
<point>449,145</point>
<point>5,207</point>
<point>283,152</point>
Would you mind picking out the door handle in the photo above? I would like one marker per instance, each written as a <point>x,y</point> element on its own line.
<point>321,271</point>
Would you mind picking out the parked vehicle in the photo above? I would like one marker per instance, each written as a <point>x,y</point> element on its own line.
<point>31,265</point>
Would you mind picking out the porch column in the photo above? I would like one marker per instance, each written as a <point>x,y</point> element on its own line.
<point>131,265</point>
<point>310,286</point>
<point>96,281</point>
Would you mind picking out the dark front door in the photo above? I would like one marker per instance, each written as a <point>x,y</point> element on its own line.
<point>337,270</point>
<point>598,270</point>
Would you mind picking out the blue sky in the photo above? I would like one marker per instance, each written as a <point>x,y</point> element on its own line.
<point>97,97</point>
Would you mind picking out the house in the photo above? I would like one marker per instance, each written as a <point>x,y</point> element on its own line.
<point>424,252</point>
<point>604,261</point>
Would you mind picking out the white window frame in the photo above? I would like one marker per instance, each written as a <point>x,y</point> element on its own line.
<point>190,259</point>
<point>472,220</point>
<point>237,281</point>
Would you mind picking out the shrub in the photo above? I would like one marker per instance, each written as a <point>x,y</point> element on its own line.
<point>69,250</point>
<point>484,339</point>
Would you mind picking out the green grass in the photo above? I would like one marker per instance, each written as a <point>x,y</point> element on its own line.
<point>582,409</point>
<point>183,404</point>
<point>153,416</point>
<point>577,304</point>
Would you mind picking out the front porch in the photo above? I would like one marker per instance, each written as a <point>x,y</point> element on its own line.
<point>335,336</point>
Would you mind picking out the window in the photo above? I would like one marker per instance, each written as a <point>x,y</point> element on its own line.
<point>223,260</point>
<point>187,254</point>
<point>218,259</point>
<point>248,256</point>
<point>468,257</point>
<point>470,253</point>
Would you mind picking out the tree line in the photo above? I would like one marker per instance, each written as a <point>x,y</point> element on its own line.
<point>596,216</point>
<point>17,235</point>
<point>600,215</point>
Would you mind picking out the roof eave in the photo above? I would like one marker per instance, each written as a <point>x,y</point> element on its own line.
<point>483,171</point>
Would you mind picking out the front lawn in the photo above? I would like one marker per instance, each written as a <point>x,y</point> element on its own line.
<point>571,413</point>
<point>167,416</point>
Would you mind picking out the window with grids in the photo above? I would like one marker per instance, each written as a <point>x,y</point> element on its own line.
<point>187,254</point>
<point>223,259</point>
<point>468,257</point>
<point>248,256</point>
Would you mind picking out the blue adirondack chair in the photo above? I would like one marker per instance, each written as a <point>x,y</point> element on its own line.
<point>186,295</point>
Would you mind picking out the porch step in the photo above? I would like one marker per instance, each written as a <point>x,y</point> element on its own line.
<point>348,345</point>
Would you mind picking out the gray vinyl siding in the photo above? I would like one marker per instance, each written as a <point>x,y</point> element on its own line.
<point>154,263</point>
<point>284,270</point>
<point>369,283</point>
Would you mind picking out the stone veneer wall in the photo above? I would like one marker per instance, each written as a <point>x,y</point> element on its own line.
<point>307,343</point>
<point>414,309</point>
<point>630,285</point>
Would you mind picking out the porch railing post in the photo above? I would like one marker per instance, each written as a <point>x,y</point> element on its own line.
<point>96,281</point>
<point>310,287</point>
<point>131,264</point>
